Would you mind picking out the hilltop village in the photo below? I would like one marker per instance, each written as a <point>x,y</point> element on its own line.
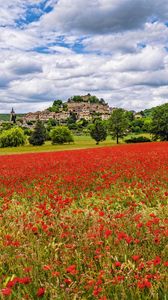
<point>82,107</point>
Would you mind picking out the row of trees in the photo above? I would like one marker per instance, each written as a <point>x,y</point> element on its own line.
<point>58,135</point>
<point>15,137</point>
<point>119,122</point>
<point>117,126</point>
<point>98,130</point>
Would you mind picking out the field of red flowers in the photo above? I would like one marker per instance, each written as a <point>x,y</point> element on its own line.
<point>85,224</point>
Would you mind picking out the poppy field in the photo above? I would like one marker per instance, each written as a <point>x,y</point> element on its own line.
<point>85,224</point>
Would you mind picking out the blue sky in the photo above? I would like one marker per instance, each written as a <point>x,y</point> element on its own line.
<point>54,49</point>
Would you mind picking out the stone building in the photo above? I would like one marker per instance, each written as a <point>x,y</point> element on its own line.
<point>83,110</point>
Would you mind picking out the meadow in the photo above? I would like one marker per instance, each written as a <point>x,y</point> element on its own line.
<point>85,224</point>
<point>80,142</point>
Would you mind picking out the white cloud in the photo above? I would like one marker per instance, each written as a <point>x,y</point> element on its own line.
<point>106,47</point>
<point>106,16</point>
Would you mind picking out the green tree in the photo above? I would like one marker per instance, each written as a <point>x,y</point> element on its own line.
<point>71,120</point>
<point>130,115</point>
<point>137,125</point>
<point>6,126</point>
<point>147,125</point>
<point>98,131</point>
<point>13,137</point>
<point>38,136</point>
<point>57,104</point>
<point>94,99</point>
<point>61,135</point>
<point>159,124</point>
<point>118,124</point>
<point>77,98</point>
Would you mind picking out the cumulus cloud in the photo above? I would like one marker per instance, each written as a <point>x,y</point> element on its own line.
<point>108,16</point>
<point>153,34</point>
<point>10,11</point>
<point>58,48</point>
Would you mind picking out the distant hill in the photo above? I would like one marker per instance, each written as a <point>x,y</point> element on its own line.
<point>6,117</point>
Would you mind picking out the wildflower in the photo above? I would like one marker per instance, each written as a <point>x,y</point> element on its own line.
<point>117,264</point>
<point>40,292</point>
<point>24,280</point>
<point>144,283</point>
<point>6,291</point>
<point>55,274</point>
<point>107,233</point>
<point>135,257</point>
<point>72,270</point>
<point>46,267</point>
<point>157,261</point>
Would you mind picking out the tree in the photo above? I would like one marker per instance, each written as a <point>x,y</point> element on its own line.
<point>137,125</point>
<point>61,135</point>
<point>130,115</point>
<point>77,98</point>
<point>98,131</point>
<point>72,118</point>
<point>118,124</point>
<point>94,99</point>
<point>57,104</point>
<point>13,137</point>
<point>38,136</point>
<point>159,124</point>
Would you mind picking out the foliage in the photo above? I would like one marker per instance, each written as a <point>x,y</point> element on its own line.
<point>30,123</point>
<point>91,99</point>
<point>140,139</point>
<point>77,98</point>
<point>51,123</point>
<point>13,137</point>
<point>159,124</point>
<point>98,131</point>
<point>27,131</point>
<point>147,125</point>
<point>118,124</point>
<point>94,100</point>
<point>6,126</point>
<point>72,118</point>
<point>82,123</point>
<point>148,112</point>
<point>129,115</point>
<point>38,136</point>
<point>65,107</point>
<point>137,125</point>
<point>86,224</point>
<point>57,104</point>
<point>61,135</point>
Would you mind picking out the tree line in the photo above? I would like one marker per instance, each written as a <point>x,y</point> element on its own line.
<point>118,126</point>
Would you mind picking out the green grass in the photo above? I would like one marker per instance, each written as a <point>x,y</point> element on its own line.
<point>80,142</point>
<point>6,117</point>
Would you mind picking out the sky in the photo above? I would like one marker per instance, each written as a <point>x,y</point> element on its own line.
<point>54,49</point>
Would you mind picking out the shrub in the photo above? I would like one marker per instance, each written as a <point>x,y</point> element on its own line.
<point>140,139</point>
<point>38,136</point>
<point>27,131</point>
<point>61,135</point>
<point>13,137</point>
